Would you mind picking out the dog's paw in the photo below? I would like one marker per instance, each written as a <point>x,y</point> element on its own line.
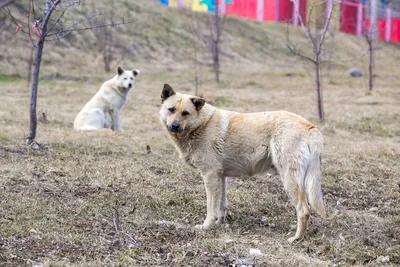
<point>293,239</point>
<point>204,227</point>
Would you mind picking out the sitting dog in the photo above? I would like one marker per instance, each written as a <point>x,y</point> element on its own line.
<point>102,111</point>
<point>224,144</point>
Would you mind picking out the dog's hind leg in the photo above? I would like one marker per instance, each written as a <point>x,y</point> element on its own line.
<point>299,200</point>
<point>215,184</point>
<point>297,195</point>
<point>94,120</point>
<point>292,170</point>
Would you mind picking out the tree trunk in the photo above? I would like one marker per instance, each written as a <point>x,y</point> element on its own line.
<point>216,61</point>
<point>320,105</point>
<point>371,63</point>
<point>216,43</point>
<point>37,60</point>
<point>107,52</point>
<point>196,70</point>
<point>34,86</point>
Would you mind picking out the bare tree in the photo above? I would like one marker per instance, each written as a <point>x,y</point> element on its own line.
<point>316,41</point>
<point>197,68</point>
<point>49,25</point>
<point>212,38</point>
<point>369,38</point>
<point>370,35</point>
<point>104,38</point>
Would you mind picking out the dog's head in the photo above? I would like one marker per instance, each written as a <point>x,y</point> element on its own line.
<point>126,78</point>
<point>179,111</point>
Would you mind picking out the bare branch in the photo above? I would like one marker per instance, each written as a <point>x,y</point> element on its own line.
<point>306,30</point>
<point>294,51</point>
<point>327,23</point>
<point>71,27</point>
<point>61,15</point>
<point>66,32</point>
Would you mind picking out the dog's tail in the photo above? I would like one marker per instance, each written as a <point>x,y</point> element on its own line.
<point>313,176</point>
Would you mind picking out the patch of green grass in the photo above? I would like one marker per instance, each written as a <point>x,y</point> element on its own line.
<point>9,79</point>
<point>366,125</point>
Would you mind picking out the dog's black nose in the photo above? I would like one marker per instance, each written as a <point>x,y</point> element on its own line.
<point>130,85</point>
<point>175,127</point>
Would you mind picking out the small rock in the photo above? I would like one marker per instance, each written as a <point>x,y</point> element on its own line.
<point>33,231</point>
<point>254,251</point>
<point>116,243</point>
<point>383,259</point>
<point>356,72</point>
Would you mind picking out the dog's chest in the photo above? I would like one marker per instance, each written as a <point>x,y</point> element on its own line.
<point>203,155</point>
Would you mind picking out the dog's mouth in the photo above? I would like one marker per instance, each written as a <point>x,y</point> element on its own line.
<point>175,130</point>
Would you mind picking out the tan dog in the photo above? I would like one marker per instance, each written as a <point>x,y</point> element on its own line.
<point>224,144</point>
<point>102,111</point>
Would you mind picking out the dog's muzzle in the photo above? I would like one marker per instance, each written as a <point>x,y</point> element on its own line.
<point>175,127</point>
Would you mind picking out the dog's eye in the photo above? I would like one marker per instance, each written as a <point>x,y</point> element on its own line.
<point>125,78</point>
<point>172,110</point>
<point>131,78</point>
<point>185,113</point>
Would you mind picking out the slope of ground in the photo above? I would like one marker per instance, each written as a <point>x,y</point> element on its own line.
<point>162,37</point>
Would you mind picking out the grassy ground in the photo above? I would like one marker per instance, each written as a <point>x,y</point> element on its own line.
<point>57,206</point>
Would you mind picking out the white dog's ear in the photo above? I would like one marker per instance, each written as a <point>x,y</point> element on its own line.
<point>120,70</point>
<point>166,92</point>
<point>198,102</point>
<point>136,72</point>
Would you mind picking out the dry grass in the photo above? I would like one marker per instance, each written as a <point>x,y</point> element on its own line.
<point>57,206</point>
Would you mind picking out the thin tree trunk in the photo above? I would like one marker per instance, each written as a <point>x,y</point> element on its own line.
<point>371,63</point>
<point>196,70</point>
<point>37,60</point>
<point>107,53</point>
<point>216,43</point>
<point>34,87</point>
<point>321,116</point>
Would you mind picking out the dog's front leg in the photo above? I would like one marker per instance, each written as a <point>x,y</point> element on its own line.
<point>215,184</point>
<point>116,123</point>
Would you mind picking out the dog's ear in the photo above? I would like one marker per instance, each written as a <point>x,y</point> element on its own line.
<point>198,102</point>
<point>136,72</point>
<point>120,70</point>
<point>166,92</point>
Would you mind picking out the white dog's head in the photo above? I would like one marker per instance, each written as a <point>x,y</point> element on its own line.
<point>126,78</point>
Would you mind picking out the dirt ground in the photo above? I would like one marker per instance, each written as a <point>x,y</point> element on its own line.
<point>60,206</point>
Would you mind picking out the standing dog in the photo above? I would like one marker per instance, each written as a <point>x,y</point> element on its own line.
<point>224,144</point>
<point>102,111</point>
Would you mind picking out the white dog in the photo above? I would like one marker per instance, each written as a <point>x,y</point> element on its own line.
<point>102,111</point>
